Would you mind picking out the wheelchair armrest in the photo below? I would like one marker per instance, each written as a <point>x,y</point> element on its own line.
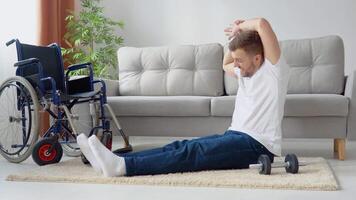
<point>26,62</point>
<point>80,66</point>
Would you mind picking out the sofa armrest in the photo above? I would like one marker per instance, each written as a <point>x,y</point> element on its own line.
<point>112,87</point>
<point>350,92</point>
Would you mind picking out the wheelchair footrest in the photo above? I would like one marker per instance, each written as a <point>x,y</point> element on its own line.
<point>123,150</point>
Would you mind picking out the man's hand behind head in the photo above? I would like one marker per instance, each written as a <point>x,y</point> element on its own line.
<point>233,29</point>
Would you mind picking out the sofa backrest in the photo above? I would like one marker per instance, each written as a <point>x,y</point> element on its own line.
<point>317,66</point>
<point>170,71</point>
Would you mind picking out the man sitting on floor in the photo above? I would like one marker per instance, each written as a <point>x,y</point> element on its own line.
<point>255,59</point>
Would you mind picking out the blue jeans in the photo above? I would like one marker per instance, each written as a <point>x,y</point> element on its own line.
<point>231,150</point>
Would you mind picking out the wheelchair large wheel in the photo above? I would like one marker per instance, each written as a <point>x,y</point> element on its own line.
<point>19,119</point>
<point>84,118</point>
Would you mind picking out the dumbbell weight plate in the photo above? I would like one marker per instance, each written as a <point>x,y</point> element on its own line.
<point>293,166</point>
<point>265,161</point>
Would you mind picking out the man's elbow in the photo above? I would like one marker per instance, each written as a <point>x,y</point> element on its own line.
<point>263,24</point>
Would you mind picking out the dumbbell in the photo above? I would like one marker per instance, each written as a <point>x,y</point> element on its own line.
<point>264,165</point>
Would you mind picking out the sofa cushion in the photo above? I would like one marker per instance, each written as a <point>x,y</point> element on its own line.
<point>296,105</point>
<point>160,105</point>
<point>222,106</point>
<point>185,70</point>
<point>310,105</point>
<point>317,66</point>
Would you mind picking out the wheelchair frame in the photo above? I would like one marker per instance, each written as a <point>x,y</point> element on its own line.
<point>63,102</point>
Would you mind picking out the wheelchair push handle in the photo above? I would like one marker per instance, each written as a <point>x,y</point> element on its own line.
<point>10,42</point>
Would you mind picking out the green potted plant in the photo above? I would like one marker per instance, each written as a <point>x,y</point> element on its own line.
<point>91,38</point>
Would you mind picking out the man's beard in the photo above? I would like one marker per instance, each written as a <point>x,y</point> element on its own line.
<point>250,74</point>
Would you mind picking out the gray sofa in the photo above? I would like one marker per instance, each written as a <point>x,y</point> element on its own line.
<point>183,91</point>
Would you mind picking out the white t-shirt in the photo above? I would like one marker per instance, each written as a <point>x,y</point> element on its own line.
<point>259,104</point>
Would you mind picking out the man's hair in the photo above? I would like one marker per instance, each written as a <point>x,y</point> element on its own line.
<point>250,41</point>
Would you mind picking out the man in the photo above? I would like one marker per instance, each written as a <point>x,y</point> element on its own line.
<point>255,59</point>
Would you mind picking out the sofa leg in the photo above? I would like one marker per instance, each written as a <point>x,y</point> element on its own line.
<point>335,146</point>
<point>339,148</point>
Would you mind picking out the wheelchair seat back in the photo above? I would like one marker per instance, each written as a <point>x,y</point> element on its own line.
<point>51,60</point>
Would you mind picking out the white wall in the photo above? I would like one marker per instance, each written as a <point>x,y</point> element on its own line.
<point>168,22</point>
<point>18,19</point>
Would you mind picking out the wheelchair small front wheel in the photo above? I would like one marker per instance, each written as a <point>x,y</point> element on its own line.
<point>47,151</point>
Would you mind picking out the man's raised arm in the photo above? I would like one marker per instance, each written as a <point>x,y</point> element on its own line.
<point>228,64</point>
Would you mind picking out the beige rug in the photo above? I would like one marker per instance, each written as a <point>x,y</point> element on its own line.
<point>316,176</point>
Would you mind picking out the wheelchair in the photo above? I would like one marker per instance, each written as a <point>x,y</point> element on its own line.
<point>41,84</point>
